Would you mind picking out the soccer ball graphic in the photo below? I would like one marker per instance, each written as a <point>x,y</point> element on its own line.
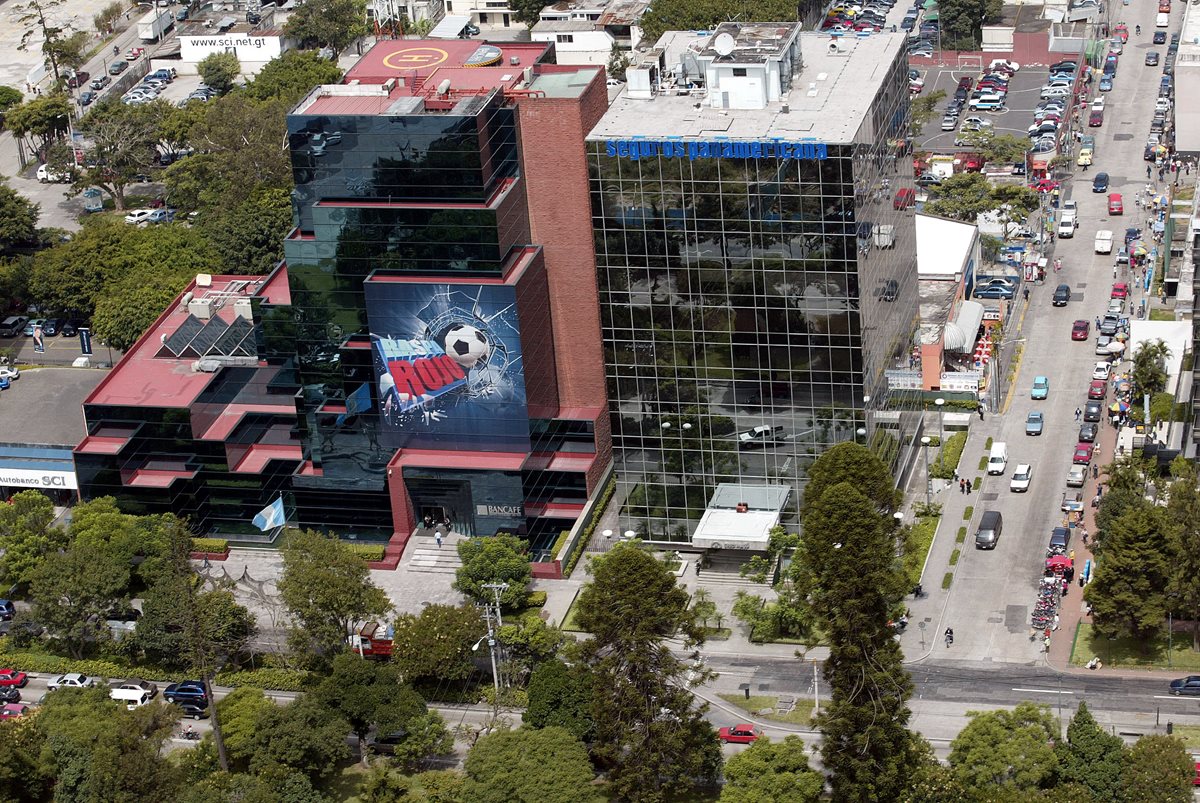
<point>466,345</point>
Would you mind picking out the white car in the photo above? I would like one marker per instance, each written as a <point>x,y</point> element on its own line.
<point>48,176</point>
<point>1076,476</point>
<point>138,216</point>
<point>1116,306</point>
<point>9,372</point>
<point>1102,371</point>
<point>1012,65</point>
<point>71,680</point>
<point>1020,478</point>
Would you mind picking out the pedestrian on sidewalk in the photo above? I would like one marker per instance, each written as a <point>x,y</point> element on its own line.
<point>968,487</point>
<point>437,536</point>
<point>980,412</point>
<point>1078,413</point>
<point>1147,171</point>
<point>962,486</point>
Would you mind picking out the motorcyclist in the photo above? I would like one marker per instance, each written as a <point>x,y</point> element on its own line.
<point>949,636</point>
<point>1137,29</point>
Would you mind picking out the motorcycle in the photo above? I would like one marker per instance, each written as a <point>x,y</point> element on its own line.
<point>190,735</point>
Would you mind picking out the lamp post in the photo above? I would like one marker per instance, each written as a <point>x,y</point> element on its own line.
<point>941,405</point>
<point>928,479</point>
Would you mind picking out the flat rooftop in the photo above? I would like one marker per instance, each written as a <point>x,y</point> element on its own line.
<point>846,84</point>
<point>46,405</point>
<point>145,378</point>
<point>749,43</point>
<point>411,58</point>
<point>208,22</point>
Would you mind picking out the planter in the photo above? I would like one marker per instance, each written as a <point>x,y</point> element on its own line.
<point>209,555</point>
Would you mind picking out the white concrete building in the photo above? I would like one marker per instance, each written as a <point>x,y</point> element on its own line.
<point>585,32</point>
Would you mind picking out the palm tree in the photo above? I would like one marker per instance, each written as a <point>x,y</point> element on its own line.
<point>1149,372</point>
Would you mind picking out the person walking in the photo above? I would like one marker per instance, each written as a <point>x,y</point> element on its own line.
<point>437,536</point>
<point>1078,413</point>
<point>1147,171</point>
<point>969,487</point>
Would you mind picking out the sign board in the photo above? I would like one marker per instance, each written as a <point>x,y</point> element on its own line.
<point>29,478</point>
<point>500,510</point>
<point>961,381</point>
<point>638,148</point>
<point>247,48</point>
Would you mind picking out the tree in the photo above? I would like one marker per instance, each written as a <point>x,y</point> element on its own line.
<point>427,737</point>
<point>73,591</point>
<point>963,196</point>
<point>962,20</point>
<point>857,465</point>
<point>9,97</point>
<point>500,558</point>
<point>249,237</point>
<point>106,20</point>
<point>1128,591</point>
<point>436,643</point>
<point>1183,513</point>
<point>1159,770</point>
<point>1008,749</point>
<point>94,749</point>
<point>130,306</point>
<point>120,144</point>
<point>999,148</point>
<point>1092,757</point>
<point>242,713</point>
<point>529,11</point>
<point>334,24</point>
<point>921,109</point>
<point>27,535</point>
<point>163,633</point>
<point>219,70</point>
<point>327,589</point>
<point>690,15</point>
<point>631,607</point>
<point>851,575</point>
<point>1149,372</point>
<point>546,765</point>
<point>46,119</point>
<point>18,219</point>
<point>305,737</point>
<point>241,146</point>
<point>41,31</point>
<point>69,50</point>
<point>618,62</point>
<point>367,693</point>
<point>292,76</point>
<point>772,771</point>
<point>385,785</point>
<point>528,642</point>
<point>560,696</point>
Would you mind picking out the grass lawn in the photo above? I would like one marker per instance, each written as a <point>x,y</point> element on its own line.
<point>1190,735</point>
<point>568,622</point>
<point>717,633</point>
<point>922,539</point>
<point>1129,653</point>
<point>345,785</point>
<point>1162,315</point>
<point>800,715</point>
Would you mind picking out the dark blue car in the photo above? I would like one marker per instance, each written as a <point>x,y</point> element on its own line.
<point>1100,183</point>
<point>189,691</point>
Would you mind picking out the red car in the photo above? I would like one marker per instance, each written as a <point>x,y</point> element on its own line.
<point>1098,389</point>
<point>11,677</point>
<point>1044,185</point>
<point>1080,330</point>
<point>134,53</point>
<point>13,710</point>
<point>1083,454</point>
<point>1116,205</point>
<point>904,199</point>
<point>1121,31</point>
<point>1120,290</point>
<point>739,734</point>
<point>1096,118</point>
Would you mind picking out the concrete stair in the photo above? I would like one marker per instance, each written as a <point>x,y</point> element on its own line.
<point>424,555</point>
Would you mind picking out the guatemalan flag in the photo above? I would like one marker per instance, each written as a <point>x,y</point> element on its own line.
<point>271,516</point>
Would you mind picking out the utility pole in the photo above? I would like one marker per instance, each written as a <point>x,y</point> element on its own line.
<point>497,589</point>
<point>816,696</point>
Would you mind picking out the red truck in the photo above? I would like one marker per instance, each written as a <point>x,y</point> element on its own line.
<point>372,640</point>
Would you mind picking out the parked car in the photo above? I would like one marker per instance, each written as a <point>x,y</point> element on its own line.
<point>186,691</point>
<point>1102,343</point>
<point>51,326</point>
<point>13,678</point>
<point>101,81</point>
<point>1080,330</point>
<point>1076,476</point>
<point>739,734</point>
<point>71,680</point>
<point>1088,432</point>
<point>1092,411</point>
<point>10,694</point>
<point>87,97</point>
<point>78,79</point>
<point>1083,454</point>
<point>13,710</point>
<point>1034,422</point>
<point>7,609</point>
<point>139,216</point>
<point>71,327</point>
<point>1119,290</point>
<point>1106,83</point>
<point>33,326</point>
<point>1097,389</point>
<point>118,67</point>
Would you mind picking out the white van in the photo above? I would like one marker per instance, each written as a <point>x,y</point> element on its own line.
<point>132,697</point>
<point>1162,21</point>
<point>998,458</point>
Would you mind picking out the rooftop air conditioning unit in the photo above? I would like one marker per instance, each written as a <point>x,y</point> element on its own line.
<point>202,308</point>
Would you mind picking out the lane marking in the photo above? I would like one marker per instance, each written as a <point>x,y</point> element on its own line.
<point>1043,691</point>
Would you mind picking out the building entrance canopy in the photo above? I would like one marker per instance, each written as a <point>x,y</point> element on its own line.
<point>741,516</point>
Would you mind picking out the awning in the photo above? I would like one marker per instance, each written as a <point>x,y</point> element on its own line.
<point>959,334</point>
<point>450,27</point>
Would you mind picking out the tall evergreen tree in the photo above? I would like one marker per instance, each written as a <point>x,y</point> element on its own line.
<point>1092,757</point>
<point>848,551</point>
<point>1128,594</point>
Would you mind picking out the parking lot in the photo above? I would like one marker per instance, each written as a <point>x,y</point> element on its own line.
<point>1014,119</point>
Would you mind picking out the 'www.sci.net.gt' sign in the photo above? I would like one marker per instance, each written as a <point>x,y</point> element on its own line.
<point>715,149</point>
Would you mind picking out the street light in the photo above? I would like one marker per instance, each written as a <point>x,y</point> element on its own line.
<point>941,405</point>
<point>928,479</point>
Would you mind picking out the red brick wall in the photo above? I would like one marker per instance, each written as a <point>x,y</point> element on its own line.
<point>554,165</point>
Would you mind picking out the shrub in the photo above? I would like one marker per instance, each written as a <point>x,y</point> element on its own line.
<point>536,599</point>
<point>976,483</point>
<point>983,463</point>
<point>368,552</point>
<point>968,512</point>
<point>954,557</point>
<point>949,457</point>
<point>213,546</point>
<point>274,679</point>
<point>34,661</point>
<point>947,579</point>
<point>987,445</point>
<point>585,537</point>
<point>962,535</point>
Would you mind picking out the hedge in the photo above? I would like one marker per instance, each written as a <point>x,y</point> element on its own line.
<point>368,552</point>
<point>948,458</point>
<point>585,537</point>
<point>272,679</point>
<point>536,599</point>
<point>213,546</point>
<point>44,663</point>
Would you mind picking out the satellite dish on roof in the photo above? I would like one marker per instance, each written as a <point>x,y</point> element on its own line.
<point>723,44</point>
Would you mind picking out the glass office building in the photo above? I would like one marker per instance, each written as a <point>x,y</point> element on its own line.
<point>415,358</point>
<point>757,263</point>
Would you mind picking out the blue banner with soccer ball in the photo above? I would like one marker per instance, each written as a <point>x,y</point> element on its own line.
<point>448,366</point>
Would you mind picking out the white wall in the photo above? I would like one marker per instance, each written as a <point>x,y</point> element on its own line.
<point>586,47</point>
<point>247,48</point>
